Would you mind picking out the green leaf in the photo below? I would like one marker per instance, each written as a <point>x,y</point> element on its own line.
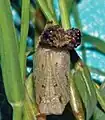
<point>98,114</point>
<point>30,88</point>
<point>30,107</point>
<point>9,55</point>
<point>101,95</point>
<point>50,6</point>
<point>44,7</point>
<point>65,13</point>
<point>96,70</point>
<point>86,89</point>
<point>69,5</point>
<point>85,48</point>
<point>75,14</point>
<point>23,35</point>
<point>100,98</point>
<point>98,43</point>
<point>75,100</point>
<point>10,65</point>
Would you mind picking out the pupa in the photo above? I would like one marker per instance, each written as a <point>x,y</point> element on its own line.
<point>51,67</point>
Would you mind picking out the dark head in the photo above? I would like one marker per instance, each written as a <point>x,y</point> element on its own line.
<point>56,36</point>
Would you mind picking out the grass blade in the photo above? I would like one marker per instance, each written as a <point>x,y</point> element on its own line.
<point>86,88</point>
<point>10,61</point>
<point>65,13</point>
<point>75,100</point>
<point>101,95</point>
<point>44,7</point>
<point>98,114</point>
<point>98,43</point>
<point>23,35</point>
<point>50,6</point>
<point>76,16</point>
<point>30,108</point>
<point>96,70</point>
<point>101,98</point>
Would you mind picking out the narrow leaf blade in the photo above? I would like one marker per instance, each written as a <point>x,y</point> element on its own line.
<point>9,55</point>
<point>23,35</point>
<point>98,43</point>
<point>46,11</point>
<point>86,88</point>
<point>65,13</point>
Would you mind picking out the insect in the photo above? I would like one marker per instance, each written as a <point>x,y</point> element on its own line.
<point>52,66</point>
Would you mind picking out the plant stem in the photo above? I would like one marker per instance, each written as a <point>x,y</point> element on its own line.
<point>17,112</point>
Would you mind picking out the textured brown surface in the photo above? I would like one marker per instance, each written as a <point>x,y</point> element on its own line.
<point>56,36</point>
<point>52,91</point>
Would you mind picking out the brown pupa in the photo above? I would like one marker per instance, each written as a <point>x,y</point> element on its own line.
<point>51,69</point>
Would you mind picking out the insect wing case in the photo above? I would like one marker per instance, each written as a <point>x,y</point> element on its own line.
<point>52,90</point>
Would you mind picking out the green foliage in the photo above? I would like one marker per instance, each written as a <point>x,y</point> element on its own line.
<point>99,113</point>
<point>65,13</point>
<point>98,43</point>
<point>10,61</point>
<point>86,88</point>
<point>75,99</point>
<point>13,60</point>
<point>23,35</point>
<point>76,16</point>
<point>30,108</point>
<point>44,5</point>
<point>50,6</point>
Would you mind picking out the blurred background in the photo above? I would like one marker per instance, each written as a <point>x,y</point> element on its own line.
<point>89,16</point>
